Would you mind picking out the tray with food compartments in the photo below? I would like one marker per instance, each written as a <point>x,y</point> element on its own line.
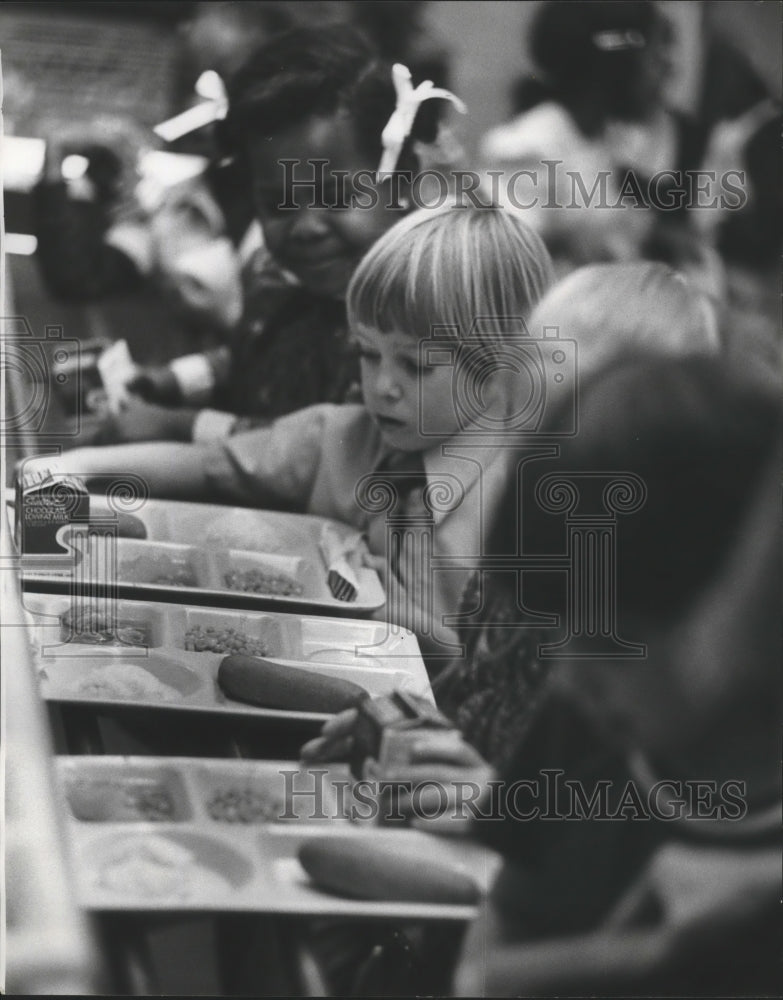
<point>150,655</point>
<point>176,551</point>
<point>184,834</point>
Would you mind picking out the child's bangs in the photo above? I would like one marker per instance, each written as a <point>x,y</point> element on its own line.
<point>404,287</point>
<point>419,278</point>
<point>440,272</point>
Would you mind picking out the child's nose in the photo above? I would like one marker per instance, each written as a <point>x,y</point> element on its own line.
<point>387,386</point>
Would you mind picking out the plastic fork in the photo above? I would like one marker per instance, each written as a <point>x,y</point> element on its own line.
<point>342,589</point>
<point>341,577</point>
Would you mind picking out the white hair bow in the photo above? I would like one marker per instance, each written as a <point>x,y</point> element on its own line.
<point>399,126</point>
<point>213,108</point>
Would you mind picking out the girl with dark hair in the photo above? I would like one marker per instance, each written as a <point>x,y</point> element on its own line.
<point>595,144</point>
<point>602,61</point>
<point>306,114</point>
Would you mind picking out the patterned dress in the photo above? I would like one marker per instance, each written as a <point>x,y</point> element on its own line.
<point>492,692</point>
<point>291,350</point>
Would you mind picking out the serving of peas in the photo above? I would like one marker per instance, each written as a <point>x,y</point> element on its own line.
<point>212,639</point>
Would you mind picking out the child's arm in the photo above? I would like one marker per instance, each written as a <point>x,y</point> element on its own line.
<point>139,421</point>
<point>169,469</point>
<point>269,466</point>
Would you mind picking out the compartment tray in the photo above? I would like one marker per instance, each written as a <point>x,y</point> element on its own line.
<point>200,864</point>
<point>228,539</point>
<point>164,675</point>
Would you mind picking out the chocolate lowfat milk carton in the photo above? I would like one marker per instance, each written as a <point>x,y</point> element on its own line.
<point>45,502</point>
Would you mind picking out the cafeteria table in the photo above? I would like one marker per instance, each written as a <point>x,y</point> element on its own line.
<point>264,948</point>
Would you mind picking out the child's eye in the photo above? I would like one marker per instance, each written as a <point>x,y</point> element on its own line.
<point>371,357</point>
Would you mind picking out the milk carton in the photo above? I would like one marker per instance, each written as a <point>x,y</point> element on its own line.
<point>46,502</point>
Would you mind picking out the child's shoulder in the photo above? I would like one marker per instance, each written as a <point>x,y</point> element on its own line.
<point>347,437</point>
<point>346,422</point>
<point>351,420</point>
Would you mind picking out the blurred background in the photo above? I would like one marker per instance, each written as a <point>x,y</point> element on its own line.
<point>69,63</point>
<point>138,57</point>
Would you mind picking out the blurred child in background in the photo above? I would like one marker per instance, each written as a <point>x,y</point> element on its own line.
<point>671,887</point>
<point>104,233</point>
<point>600,108</point>
<point>595,158</point>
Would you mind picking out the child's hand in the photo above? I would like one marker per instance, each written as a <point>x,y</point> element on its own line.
<point>449,774</point>
<point>140,421</point>
<point>336,739</point>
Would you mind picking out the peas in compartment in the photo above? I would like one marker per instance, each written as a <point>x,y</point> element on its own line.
<point>212,639</point>
<point>244,805</point>
<point>257,581</point>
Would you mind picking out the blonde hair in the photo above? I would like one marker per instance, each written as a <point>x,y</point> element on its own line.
<point>616,310</point>
<point>448,268</point>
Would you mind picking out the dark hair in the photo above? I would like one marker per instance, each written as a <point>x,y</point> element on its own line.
<point>701,436</point>
<point>594,82</point>
<point>308,72</point>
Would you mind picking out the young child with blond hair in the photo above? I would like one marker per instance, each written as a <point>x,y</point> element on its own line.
<point>433,307</point>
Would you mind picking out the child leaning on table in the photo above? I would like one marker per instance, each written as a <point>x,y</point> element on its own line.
<point>610,312</point>
<point>434,269</point>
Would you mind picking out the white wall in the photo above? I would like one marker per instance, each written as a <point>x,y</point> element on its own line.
<point>486,41</point>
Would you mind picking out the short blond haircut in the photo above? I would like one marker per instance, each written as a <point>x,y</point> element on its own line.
<point>616,311</point>
<point>448,268</point>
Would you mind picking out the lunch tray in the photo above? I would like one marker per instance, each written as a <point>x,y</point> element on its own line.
<point>192,548</point>
<point>194,861</point>
<point>175,678</point>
